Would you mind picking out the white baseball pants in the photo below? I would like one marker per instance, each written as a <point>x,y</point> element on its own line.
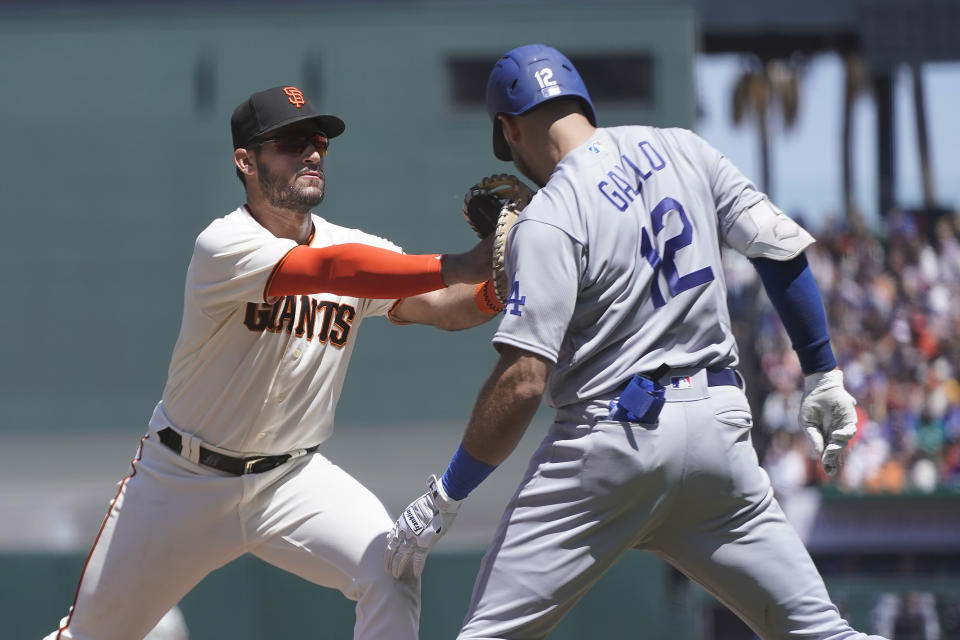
<point>173,522</point>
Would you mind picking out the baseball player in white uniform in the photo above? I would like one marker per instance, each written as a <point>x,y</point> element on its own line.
<point>231,464</point>
<point>618,317</point>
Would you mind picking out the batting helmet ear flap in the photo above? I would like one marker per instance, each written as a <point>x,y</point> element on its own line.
<point>500,147</point>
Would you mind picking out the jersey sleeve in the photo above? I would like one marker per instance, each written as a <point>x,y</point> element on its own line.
<point>233,265</point>
<point>372,306</point>
<point>543,268</point>
<point>732,190</point>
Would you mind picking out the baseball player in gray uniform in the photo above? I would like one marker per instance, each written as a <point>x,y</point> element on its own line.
<point>231,463</point>
<point>617,316</point>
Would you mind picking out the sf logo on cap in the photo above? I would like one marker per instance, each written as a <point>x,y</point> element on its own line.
<point>295,96</point>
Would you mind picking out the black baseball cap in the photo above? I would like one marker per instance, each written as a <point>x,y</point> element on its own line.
<point>272,109</point>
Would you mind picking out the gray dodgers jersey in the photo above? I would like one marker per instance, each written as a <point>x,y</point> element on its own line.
<point>615,263</point>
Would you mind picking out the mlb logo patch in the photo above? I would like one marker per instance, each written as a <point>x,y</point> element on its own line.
<point>678,382</point>
<point>594,147</point>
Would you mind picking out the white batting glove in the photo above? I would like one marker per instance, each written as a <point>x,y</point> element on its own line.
<point>418,528</point>
<point>828,416</point>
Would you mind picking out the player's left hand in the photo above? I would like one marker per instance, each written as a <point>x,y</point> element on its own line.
<point>828,416</point>
<point>418,528</point>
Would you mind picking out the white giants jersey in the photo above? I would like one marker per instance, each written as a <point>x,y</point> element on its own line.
<point>252,375</point>
<point>615,264</point>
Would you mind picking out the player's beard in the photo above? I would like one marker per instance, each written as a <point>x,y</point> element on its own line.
<point>523,167</point>
<point>281,194</point>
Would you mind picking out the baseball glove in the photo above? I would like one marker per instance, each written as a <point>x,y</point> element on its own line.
<point>491,207</point>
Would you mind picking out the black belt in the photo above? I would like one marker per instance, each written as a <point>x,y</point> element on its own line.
<point>235,466</point>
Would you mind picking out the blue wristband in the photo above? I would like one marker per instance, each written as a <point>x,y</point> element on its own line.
<point>464,474</point>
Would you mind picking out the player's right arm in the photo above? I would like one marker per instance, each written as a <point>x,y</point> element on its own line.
<point>505,406</point>
<point>364,271</point>
<point>529,340</point>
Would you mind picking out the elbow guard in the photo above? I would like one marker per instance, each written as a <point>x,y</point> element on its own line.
<point>764,231</point>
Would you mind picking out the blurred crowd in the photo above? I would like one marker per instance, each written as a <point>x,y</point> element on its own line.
<point>916,615</point>
<point>893,307</point>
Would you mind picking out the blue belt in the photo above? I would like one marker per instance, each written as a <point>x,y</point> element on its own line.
<point>641,398</point>
<point>715,378</point>
<point>723,378</point>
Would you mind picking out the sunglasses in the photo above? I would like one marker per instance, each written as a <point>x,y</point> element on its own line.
<point>297,144</point>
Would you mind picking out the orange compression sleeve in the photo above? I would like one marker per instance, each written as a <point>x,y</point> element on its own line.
<point>354,269</point>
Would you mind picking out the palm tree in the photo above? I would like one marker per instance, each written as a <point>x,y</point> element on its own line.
<point>856,83</point>
<point>920,119</point>
<point>763,86</point>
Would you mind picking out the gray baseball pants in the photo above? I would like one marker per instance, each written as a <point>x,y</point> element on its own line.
<point>688,488</point>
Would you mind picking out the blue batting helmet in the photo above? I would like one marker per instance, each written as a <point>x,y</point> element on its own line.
<point>525,77</point>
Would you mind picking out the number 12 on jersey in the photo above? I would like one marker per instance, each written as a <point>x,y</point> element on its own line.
<point>676,283</point>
